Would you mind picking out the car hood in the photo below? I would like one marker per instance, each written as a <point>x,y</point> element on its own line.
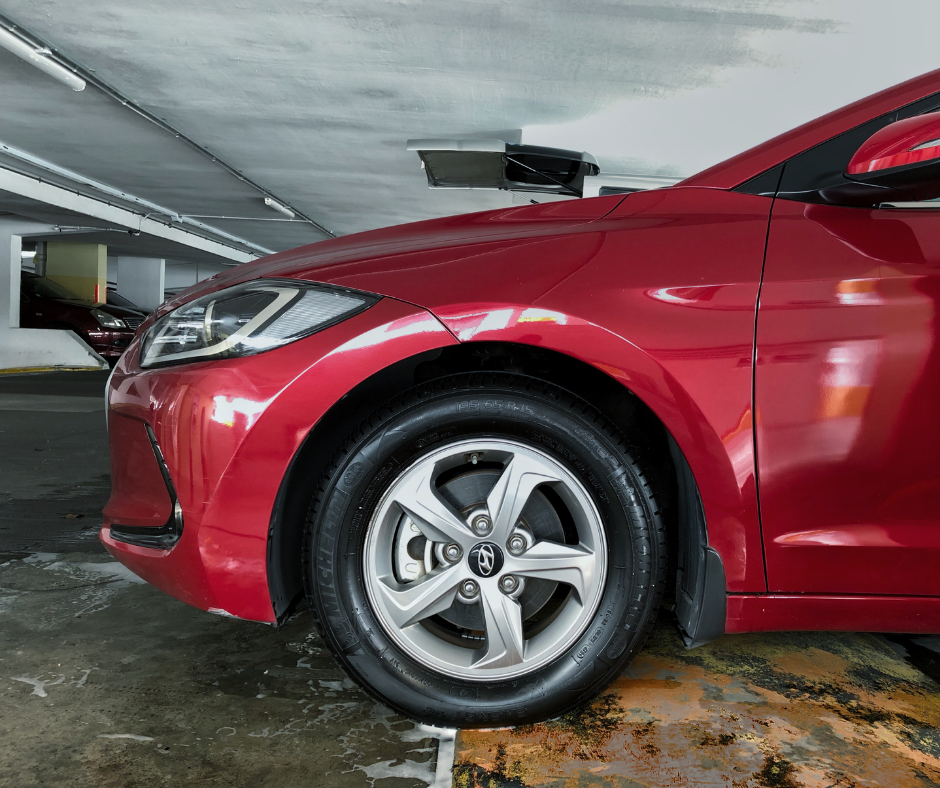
<point>406,261</point>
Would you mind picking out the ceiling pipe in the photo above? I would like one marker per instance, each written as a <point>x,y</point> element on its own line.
<point>39,57</point>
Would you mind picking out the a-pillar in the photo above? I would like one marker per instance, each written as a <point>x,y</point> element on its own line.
<point>141,280</point>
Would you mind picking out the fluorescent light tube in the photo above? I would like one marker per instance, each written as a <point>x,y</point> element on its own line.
<point>278,207</point>
<point>30,54</point>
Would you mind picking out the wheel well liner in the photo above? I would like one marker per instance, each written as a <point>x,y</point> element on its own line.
<point>697,568</point>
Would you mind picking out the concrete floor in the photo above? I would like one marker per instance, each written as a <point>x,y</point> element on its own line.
<point>105,681</point>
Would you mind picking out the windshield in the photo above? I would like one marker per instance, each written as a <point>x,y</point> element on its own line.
<point>46,288</point>
<point>119,300</point>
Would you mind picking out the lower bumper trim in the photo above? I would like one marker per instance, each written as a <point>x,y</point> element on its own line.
<point>161,537</point>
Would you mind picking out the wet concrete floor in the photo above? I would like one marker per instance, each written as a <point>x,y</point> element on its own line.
<point>105,681</point>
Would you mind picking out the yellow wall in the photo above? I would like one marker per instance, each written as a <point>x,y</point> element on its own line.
<point>80,268</point>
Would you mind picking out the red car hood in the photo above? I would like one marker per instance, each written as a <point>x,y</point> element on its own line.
<point>386,261</point>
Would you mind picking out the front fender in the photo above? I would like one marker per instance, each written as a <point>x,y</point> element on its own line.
<point>661,295</point>
<point>713,432</point>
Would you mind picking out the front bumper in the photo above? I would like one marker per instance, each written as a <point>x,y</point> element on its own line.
<point>228,431</point>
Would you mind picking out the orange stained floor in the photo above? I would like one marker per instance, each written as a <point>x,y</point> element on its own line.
<point>820,710</point>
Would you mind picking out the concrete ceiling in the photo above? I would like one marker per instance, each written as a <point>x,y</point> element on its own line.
<point>314,100</point>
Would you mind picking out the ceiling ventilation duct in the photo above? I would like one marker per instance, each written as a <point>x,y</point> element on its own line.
<point>494,164</point>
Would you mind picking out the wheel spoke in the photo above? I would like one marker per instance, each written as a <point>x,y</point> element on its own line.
<point>508,498</point>
<point>432,594</point>
<point>461,513</point>
<point>567,564</point>
<point>432,514</point>
<point>505,645</point>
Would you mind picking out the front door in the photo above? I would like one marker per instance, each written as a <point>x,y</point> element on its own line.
<point>847,390</point>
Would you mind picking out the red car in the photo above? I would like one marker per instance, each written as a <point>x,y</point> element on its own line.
<point>483,448</point>
<point>107,328</point>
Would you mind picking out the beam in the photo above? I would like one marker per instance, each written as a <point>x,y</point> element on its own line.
<point>35,189</point>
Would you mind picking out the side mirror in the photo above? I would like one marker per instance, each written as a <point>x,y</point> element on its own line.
<point>901,162</point>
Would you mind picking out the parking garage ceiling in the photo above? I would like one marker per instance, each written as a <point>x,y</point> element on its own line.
<point>313,101</point>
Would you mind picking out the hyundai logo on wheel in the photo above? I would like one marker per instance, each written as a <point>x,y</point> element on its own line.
<point>485,559</point>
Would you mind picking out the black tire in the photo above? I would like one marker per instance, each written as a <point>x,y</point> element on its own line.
<point>490,405</point>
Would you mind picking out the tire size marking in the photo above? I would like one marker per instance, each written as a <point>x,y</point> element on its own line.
<point>494,405</point>
<point>602,624</point>
<point>433,438</point>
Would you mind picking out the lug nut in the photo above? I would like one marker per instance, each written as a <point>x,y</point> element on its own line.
<point>469,589</point>
<point>516,544</point>
<point>508,584</point>
<point>481,525</point>
<point>453,552</point>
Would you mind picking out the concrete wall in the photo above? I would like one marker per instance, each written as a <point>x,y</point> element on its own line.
<point>36,348</point>
<point>140,279</point>
<point>81,268</point>
<point>179,275</point>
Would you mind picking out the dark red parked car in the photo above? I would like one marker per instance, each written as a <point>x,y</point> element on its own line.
<point>107,328</point>
<point>484,447</point>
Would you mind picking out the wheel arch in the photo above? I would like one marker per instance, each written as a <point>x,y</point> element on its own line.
<point>696,567</point>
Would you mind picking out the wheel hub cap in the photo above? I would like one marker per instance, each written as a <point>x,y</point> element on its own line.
<point>485,560</point>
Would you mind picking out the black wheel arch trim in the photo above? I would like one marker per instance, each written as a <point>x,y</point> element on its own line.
<point>701,591</point>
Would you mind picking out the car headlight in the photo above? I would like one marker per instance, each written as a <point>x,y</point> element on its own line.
<point>246,319</point>
<point>106,320</point>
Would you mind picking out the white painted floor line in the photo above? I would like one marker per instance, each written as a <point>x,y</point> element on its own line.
<point>131,736</point>
<point>54,403</point>
<point>444,774</point>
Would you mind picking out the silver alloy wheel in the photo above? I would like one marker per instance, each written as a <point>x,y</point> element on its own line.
<point>407,600</point>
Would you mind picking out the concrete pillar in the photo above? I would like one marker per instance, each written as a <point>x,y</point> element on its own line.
<point>11,247</point>
<point>81,268</point>
<point>32,348</point>
<point>141,280</point>
<point>39,261</point>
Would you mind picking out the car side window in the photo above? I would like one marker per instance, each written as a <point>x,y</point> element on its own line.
<point>821,167</point>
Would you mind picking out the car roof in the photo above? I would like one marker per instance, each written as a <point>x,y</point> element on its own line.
<point>738,169</point>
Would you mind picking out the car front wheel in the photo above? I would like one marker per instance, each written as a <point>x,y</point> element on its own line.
<point>484,551</point>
